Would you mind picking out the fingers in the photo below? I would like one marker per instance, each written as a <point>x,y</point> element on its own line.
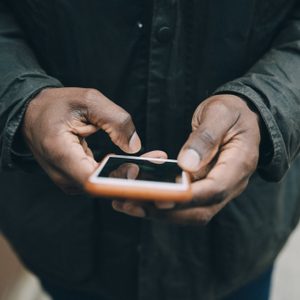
<point>238,163</point>
<point>138,209</point>
<point>58,119</point>
<point>188,216</point>
<point>183,216</point>
<point>113,119</point>
<point>133,209</point>
<point>210,194</point>
<point>204,142</point>
<point>72,162</point>
<point>223,150</point>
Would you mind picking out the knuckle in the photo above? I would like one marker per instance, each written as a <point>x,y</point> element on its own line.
<point>124,119</point>
<point>208,138</point>
<point>91,94</point>
<point>223,106</point>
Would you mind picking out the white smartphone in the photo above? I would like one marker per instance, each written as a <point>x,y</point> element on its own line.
<point>140,178</point>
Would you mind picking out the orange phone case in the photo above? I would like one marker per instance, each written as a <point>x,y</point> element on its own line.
<point>138,192</point>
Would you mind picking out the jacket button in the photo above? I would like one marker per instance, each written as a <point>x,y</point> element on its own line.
<point>164,34</point>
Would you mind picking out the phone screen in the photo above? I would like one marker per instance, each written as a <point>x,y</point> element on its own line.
<point>137,169</point>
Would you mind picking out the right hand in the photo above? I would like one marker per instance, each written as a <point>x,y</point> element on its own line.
<point>56,123</point>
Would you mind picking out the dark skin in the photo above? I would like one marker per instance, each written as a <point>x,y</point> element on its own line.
<point>56,124</point>
<point>221,152</point>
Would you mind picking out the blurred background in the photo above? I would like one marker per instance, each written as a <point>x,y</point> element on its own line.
<point>18,284</point>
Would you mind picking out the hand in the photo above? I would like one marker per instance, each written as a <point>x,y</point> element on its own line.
<point>56,123</point>
<point>221,153</point>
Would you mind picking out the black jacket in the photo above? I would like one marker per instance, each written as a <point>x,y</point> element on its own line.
<point>157,59</point>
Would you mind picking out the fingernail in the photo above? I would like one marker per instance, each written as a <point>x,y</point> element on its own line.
<point>135,143</point>
<point>190,160</point>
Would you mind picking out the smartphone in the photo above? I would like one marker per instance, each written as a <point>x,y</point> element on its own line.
<point>140,178</point>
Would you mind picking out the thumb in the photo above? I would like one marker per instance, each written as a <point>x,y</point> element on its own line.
<point>204,142</point>
<point>198,150</point>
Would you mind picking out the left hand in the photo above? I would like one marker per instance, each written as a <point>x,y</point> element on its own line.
<point>221,153</point>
